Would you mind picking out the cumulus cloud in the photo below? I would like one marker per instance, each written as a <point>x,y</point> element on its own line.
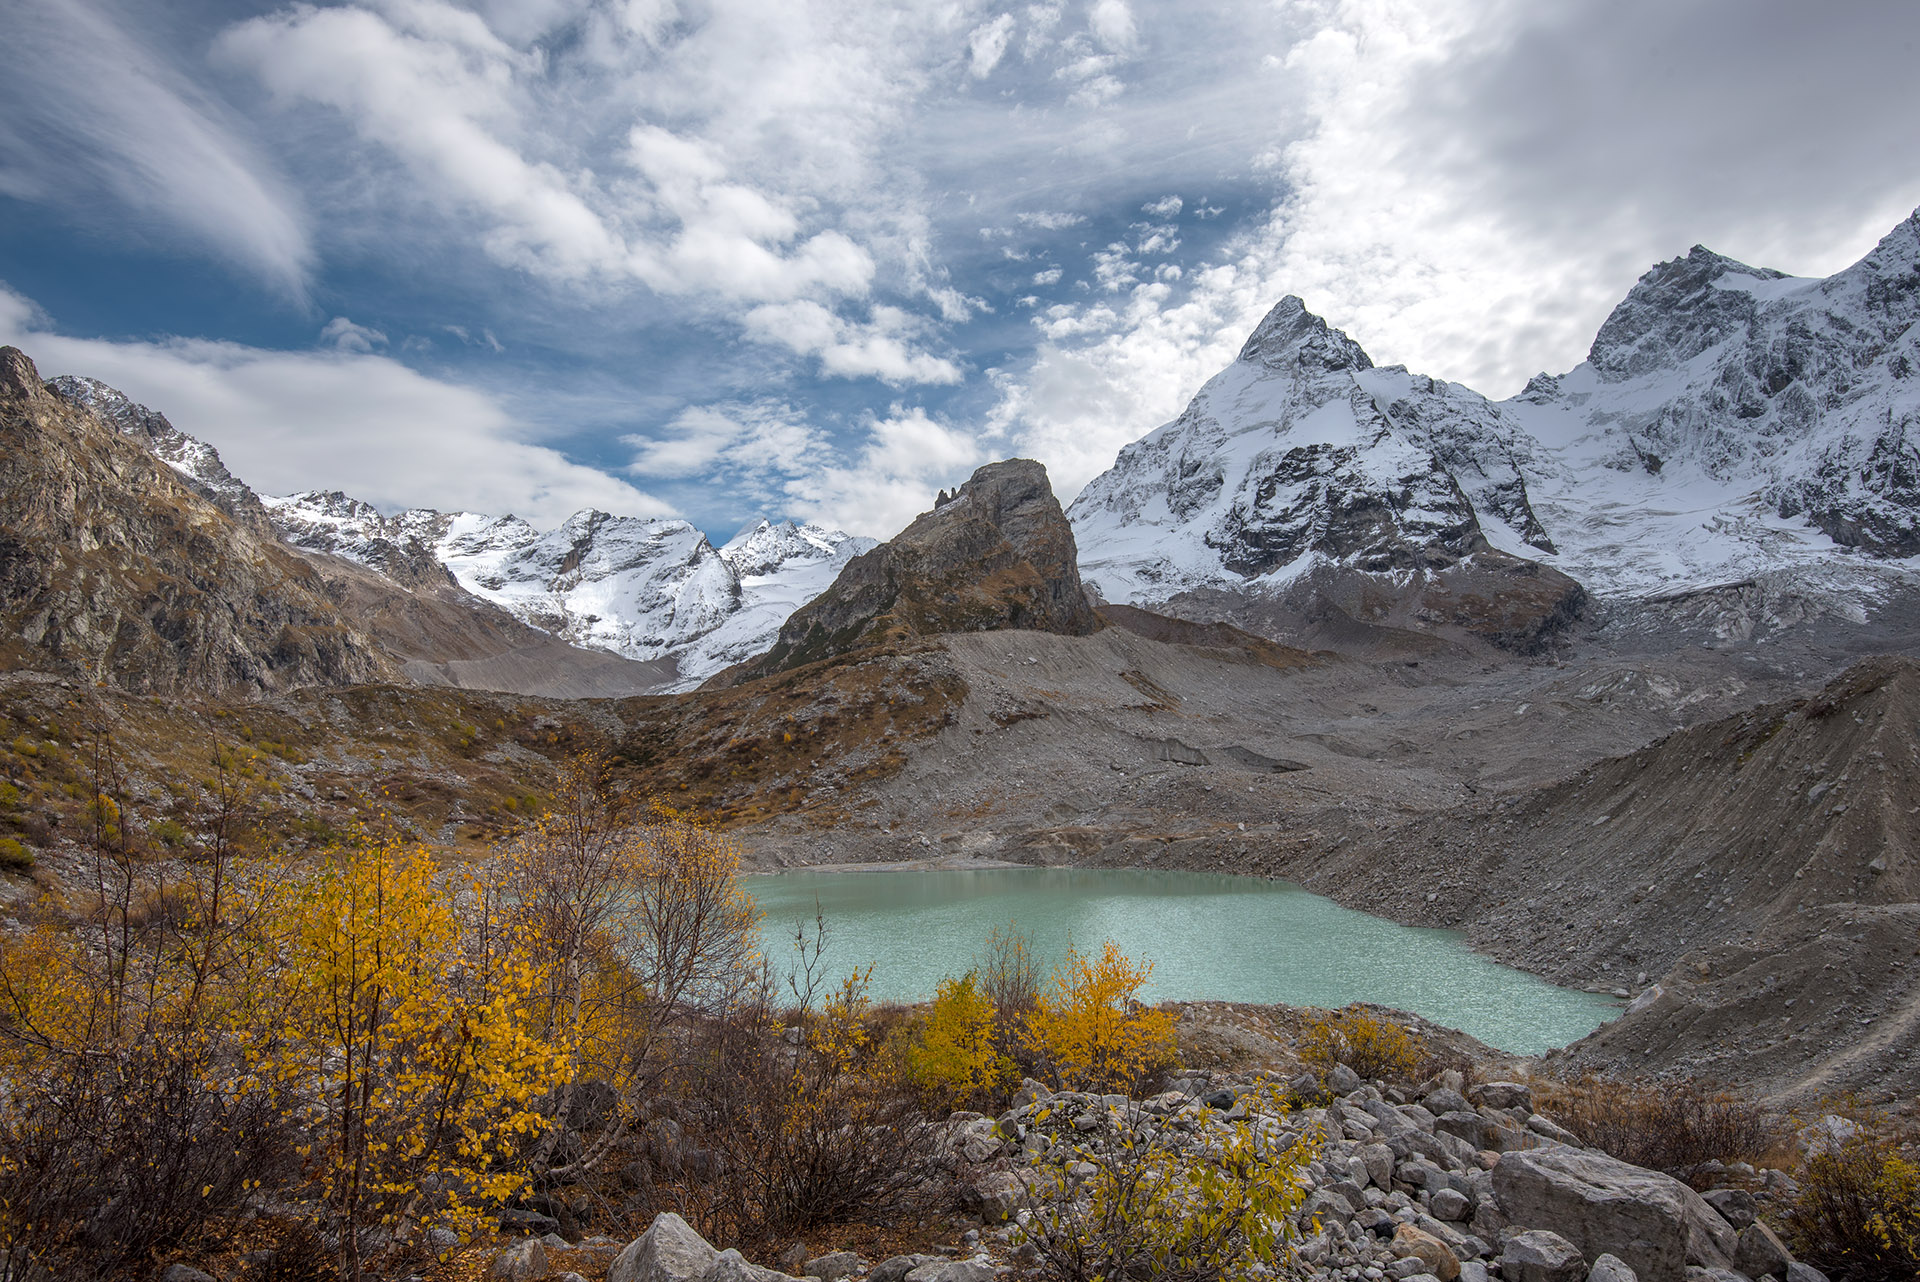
<point>846,349</point>
<point>343,335</point>
<point>987,44</point>
<point>335,419</point>
<point>905,459</point>
<point>93,111</point>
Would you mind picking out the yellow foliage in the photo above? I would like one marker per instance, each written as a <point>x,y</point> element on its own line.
<point>1090,1032</point>
<point>954,1059</point>
<point>1374,1048</point>
<point>405,1044</point>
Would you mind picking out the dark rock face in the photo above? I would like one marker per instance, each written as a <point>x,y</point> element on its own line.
<point>997,554</point>
<point>114,569</point>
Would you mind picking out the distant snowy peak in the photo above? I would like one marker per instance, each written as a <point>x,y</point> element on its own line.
<point>196,461</point>
<point>1729,422</point>
<point>1301,454</point>
<point>763,547</point>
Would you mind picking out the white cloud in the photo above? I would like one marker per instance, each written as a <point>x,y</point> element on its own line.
<point>1112,25</point>
<point>94,111</point>
<point>987,44</point>
<point>906,459</point>
<point>1165,207</point>
<point>1051,276</point>
<point>333,419</point>
<point>876,349</point>
<point>343,335</point>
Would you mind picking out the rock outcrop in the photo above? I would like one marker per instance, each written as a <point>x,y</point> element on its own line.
<point>997,554</point>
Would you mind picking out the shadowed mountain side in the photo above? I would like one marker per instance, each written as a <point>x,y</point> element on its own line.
<point>113,570</point>
<point>997,554</point>
<point>1762,868</point>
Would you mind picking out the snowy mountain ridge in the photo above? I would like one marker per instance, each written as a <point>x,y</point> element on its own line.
<point>1730,423</point>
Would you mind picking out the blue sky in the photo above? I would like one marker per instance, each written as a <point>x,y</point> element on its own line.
<point>731,258</point>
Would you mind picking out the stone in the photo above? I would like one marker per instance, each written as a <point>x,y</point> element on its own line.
<point>1463,1124</point>
<point>952,1271</point>
<point>1450,1204</point>
<point>892,1269</point>
<point>730,1266</point>
<point>442,1240</point>
<point>831,1267</point>
<point>1610,1268</point>
<point>1406,1267</point>
<point>1736,1206</point>
<point>568,1276</point>
<point>1502,1095</point>
<point>1445,1100</point>
<point>1473,1271</point>
<point>1379,1162</point>
<point>1541,1255</point>
<point>1434,1255</point>
<point>1600,1204</point>
<point>993,1195</point>
<point>1542,1125</point>
<point>1759,1251</point>
<point>669,1251</point>
<point>1343,1080</point>
<point>523,1262</point>
<point>1715,1275</point>
<point>1798,1272</point>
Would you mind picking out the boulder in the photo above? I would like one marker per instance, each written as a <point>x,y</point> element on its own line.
<point>1610,1268</point>
<point>1445,1100</point>
<point>669,1251</point>
<point>1759,1251</point>
<point>1798,1272</point>
<point>523,1262</point>
<point>1502,1095</point>
<point>185,1273</point>
<point>1736,1206</point>
<point>1463,1124</point>
<point>1379,1163</point>
<point>831,1267</point>
<point>1540,1255</point>
<point>894,1268</point>
<point>1600,1204</point>
<point>1450,1204</point>
<point>1343,1080</point>
<point>952,1271</point>
<point>1436,1256</point>
<point>730,1266</point>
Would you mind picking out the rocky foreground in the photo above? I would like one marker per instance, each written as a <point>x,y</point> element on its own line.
<point>1447,1183</point>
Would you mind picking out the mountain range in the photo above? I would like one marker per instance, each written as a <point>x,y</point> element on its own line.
<point>1739,440</point>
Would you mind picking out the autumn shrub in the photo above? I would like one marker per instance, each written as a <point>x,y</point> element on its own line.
<point>1672,1126</point>
<point>1377,1049</point>
<point>1857,1214</point>
<point>1088,1030</point>
<point>14,855</point>
<point>1010,975</point>
<point>954,1060</point>
<point>1165,1204</point>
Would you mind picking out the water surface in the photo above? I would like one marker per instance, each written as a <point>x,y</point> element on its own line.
<point>1208,935</point>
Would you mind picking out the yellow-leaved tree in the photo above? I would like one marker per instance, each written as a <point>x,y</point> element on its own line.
<point>406,1049</point>
<point>954,1060</point>
<point>1090,1032</point>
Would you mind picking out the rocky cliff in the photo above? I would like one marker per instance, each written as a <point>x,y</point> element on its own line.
<point>115,569</point>
<point>997,553</point>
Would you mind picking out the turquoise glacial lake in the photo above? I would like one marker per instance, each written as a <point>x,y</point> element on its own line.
<point>1209,937</point>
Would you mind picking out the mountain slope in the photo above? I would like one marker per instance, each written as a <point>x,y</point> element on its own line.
<point>1763,869</point>
<point>113,569</point>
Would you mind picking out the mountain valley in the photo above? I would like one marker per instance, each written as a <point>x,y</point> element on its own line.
<point>1616,675</point>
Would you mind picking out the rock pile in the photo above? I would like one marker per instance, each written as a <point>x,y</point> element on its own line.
<point>1447,1183</point>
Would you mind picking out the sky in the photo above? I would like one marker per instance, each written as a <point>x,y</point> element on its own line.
<point>818,259</point>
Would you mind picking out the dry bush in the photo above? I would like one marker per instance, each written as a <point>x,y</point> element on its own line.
<point>1857,1217</point>
<point>1665,1126</point>
<point>1375,1048</point>
<point>803,1125</point>
<point>1163,1207</point>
